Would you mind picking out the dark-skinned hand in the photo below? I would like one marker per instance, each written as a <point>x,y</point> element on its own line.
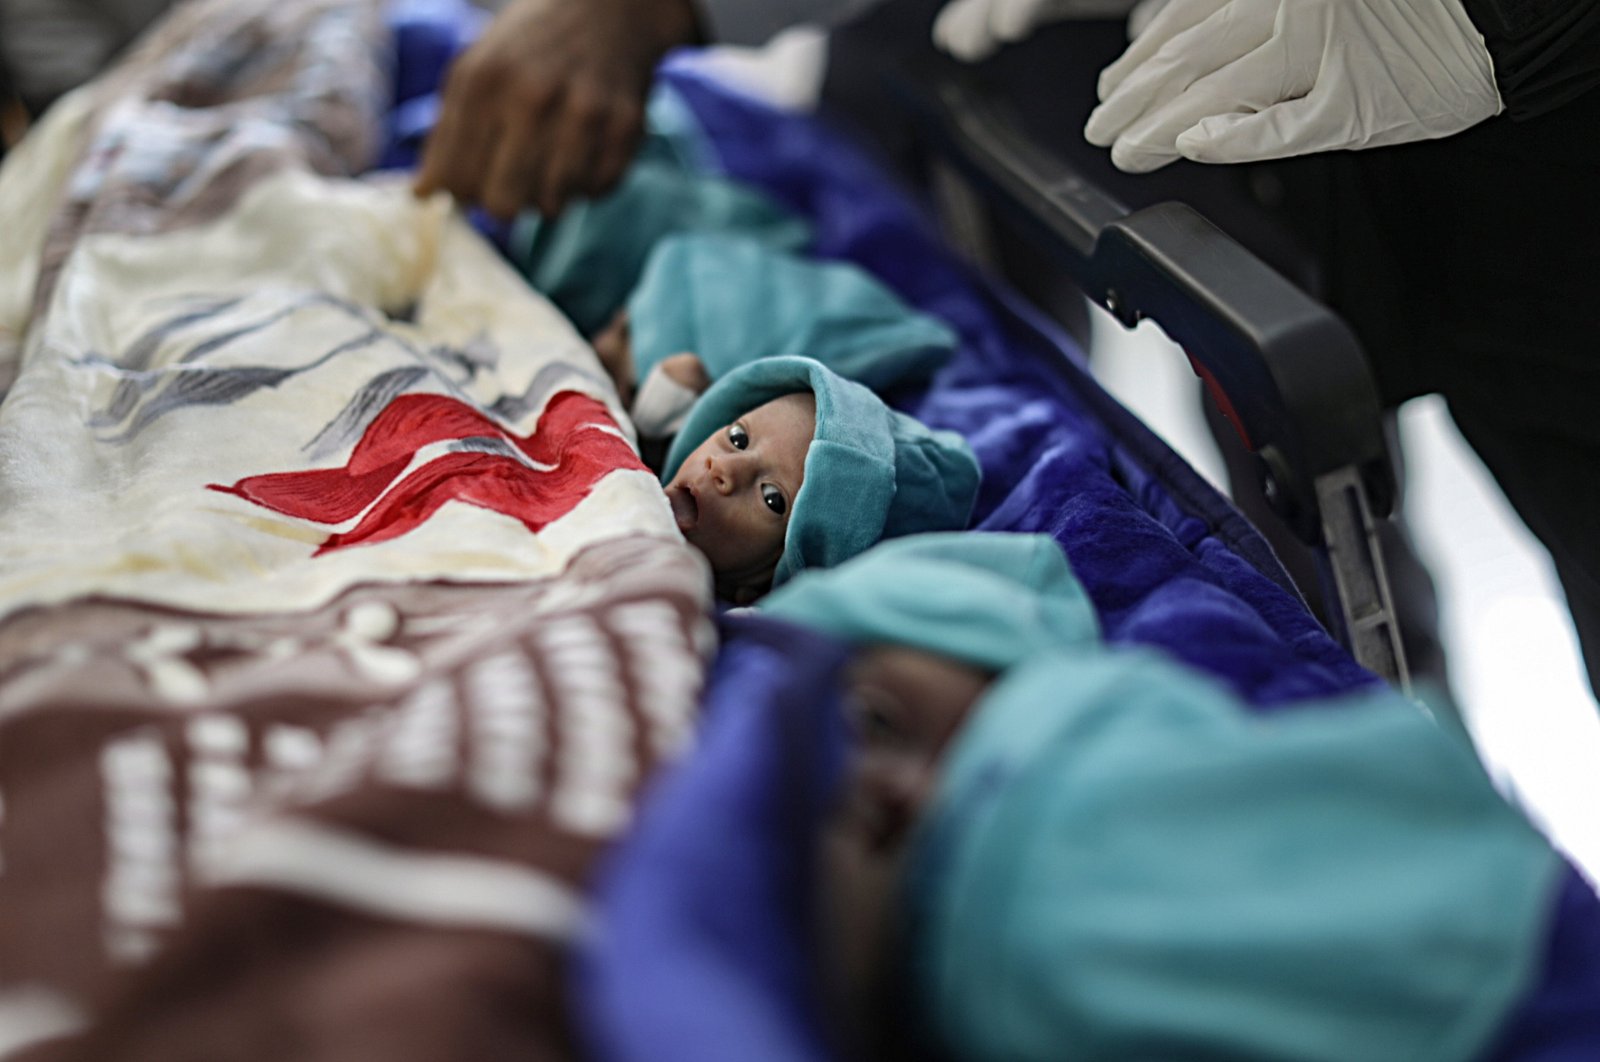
<point>548,105</point>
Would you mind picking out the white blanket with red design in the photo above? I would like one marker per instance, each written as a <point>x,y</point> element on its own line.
<point>340,623</point>
<point>235,369</point>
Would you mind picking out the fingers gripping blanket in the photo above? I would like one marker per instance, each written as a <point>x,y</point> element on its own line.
<point>339,621</point>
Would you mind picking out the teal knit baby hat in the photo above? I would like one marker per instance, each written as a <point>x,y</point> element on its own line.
<point>731,299</point>
<point>990,599</point>
<point>1121,861</point>
<point>871,473</point>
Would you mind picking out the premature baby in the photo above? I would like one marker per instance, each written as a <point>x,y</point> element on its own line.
<point>779,462</point>
<point>782,466</point>
<point>733,494</point>
<point>707,303</point>
<point>1048,841</point>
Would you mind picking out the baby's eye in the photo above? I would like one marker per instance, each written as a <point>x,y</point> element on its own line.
<point>738,436</point>
<point>874,723</point>
<point>774,499</point>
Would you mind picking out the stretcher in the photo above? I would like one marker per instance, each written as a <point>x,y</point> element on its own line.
<point>1285,372</point>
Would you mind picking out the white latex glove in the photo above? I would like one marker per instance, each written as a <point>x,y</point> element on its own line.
<point>976,29</point>
<point>1143,13</point>
<point>1240,80</point>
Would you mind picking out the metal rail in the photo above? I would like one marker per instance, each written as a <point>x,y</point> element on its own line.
<point>1286,372</point>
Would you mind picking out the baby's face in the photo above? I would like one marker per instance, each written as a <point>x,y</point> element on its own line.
<point>906,707</point>
<point>735,492</point>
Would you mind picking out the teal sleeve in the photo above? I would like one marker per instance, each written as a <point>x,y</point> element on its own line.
<point>733,300</point>
<point>590,259</point>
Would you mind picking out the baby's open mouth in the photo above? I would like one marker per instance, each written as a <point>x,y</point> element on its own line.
<point>685,509</point>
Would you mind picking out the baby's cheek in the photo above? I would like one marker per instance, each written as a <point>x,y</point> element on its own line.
<point>888,789</point>
<point>856,892</point>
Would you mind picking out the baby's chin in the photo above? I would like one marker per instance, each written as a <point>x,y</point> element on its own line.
<point>742,587</point>
<point>686,514</point>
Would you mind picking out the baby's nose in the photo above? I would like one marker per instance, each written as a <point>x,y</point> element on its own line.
<point>728,472</point>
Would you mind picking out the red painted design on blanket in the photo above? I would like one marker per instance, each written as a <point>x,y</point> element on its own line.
<point>575,444</point>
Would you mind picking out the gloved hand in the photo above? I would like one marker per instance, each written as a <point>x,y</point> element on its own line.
<point>975,29</point>
<point>1144,12</point>
<point>549,103</point>
<point>1240,80</point>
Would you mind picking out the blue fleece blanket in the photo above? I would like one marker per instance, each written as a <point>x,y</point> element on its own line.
<point>1167,561</point>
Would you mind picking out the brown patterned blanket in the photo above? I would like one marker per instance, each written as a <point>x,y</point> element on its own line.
<point>340,623</point>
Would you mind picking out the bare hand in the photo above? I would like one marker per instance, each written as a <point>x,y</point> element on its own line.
<point>549,104</point>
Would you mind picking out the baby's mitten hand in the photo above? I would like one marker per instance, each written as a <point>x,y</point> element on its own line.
<point>687,370</point>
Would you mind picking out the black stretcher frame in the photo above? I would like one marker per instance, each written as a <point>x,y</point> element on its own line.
<point>1286,372</point>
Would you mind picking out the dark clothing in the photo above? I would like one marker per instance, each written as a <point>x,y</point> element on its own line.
<point>1546,52</point>
<point>1465,265</point>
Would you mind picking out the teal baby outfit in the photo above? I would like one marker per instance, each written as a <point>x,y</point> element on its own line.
<point>870,473</point>
<point>708,265</point>
<point>589,259</point>
<point>1122,863</point>
<point>731,299</point>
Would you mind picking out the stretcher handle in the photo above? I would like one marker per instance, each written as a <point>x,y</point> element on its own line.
<point>1285,369</point>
